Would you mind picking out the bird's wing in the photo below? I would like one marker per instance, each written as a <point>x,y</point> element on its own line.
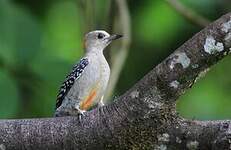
<point>70,80</point>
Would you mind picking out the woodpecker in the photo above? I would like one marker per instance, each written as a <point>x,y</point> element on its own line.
<point>85,86</point>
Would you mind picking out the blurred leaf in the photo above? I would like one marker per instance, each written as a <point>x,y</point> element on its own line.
<point>157,23</point>
<point>19,38</point>
<point>62,36</point>
<point>9,96</point>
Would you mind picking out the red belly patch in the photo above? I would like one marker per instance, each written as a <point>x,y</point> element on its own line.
<point>88,101</point>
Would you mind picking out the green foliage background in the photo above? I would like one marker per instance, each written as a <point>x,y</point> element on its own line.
<point>41,40</point>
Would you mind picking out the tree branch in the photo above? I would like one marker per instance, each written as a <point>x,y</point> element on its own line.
<point>145,116</point>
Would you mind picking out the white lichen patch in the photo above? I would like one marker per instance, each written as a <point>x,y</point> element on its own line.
<point>163,137</point>
<point>194,66</point>
<point>135,94</point>
<point>151,97</point>
<point>229,130</point>
<point>178,140</point>
<point>180,58</point>
<point>226,27</point>
<point>201,74</point>
<point>161,147</point>
<point>211,46</point>
<point>225,53</point>
<point>174,84</point>
<point>2,147</point>
<point>228,39</point>
<point>192,145</point>
<point>152,105</point>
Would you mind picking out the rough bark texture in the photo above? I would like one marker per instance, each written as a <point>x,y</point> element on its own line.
<point>145,116</point>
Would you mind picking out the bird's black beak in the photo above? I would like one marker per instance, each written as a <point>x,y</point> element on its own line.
<point>114,37</point>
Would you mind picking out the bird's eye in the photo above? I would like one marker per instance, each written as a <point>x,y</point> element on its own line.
<point>101,35</point>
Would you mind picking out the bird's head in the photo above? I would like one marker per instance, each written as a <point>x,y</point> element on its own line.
<point>98,40</point>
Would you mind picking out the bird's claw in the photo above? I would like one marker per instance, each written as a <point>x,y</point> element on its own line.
<point>80,112</point>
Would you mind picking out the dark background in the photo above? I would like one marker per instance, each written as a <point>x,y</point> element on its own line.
<point>41,40</point>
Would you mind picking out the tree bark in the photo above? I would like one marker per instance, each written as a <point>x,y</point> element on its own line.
<point>145,116</point>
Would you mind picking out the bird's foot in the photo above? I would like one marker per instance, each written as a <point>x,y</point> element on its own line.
<point>101,103</point>
<point>80,112</point>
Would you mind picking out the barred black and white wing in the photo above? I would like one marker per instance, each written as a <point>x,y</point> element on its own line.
<point>70,80</point>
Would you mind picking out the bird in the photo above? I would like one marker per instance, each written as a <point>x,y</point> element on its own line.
<point>86,84</point>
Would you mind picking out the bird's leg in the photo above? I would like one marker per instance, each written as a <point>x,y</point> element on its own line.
<point>100,104</point>
<point>80,112</point>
